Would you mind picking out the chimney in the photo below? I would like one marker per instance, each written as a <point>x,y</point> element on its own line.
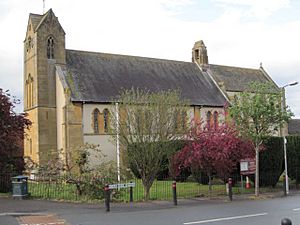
<point>199,55</point>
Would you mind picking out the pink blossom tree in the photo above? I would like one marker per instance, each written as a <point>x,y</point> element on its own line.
<point>213,150</point>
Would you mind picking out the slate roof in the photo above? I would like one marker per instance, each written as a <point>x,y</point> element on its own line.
<point>236,79</point>
<point>294,127</point>
<point>35,18</point>
<point>99,77</point>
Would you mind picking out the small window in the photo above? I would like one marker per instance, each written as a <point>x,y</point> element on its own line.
<point>106,120</point>
<point>96,114</point>
<point>216,120</point>
<point>180,120</point>
<point>208,120</point>
<point>50,48</point>
<point>197,53</point>
<point>29,91</point>
<point>28,44</point>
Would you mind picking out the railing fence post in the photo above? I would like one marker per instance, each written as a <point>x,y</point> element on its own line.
<point>174,192</point>
<point>107,198</point>
<point>131,194</point>
<point>230,188</point>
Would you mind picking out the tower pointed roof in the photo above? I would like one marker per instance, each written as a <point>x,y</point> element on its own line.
<point>36,19</point>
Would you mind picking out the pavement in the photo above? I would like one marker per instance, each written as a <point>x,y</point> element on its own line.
<point>44,212</point>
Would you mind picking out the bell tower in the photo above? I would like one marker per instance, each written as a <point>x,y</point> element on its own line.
<point>44,47</point>
<point>199,55</point>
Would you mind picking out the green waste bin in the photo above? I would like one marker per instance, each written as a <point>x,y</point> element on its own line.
<point>19,187</point>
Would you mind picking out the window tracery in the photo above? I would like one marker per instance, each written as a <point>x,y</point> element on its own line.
<point>208,119</point>
<point>50,48</point>
<point>96,115</point>
<point>106,120</point>
<point>216,120</point>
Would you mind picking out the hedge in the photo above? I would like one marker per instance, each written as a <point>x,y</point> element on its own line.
<point>271,161</point>
<point>293,156</point>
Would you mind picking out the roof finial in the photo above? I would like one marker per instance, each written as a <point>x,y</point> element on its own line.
<point>260,65</point>
<point>43,6</point>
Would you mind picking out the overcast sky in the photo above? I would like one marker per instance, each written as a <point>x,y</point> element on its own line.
<point>240,33</point>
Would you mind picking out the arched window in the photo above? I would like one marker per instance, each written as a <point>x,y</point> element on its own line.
<point>29,91</point>
<point>29,44</point>
<point>50,48</point>
<point>216,121</point>
<point>176,119</point>
<point>96,115</point>
<point>179,120</point>
<point>208,120</point>
<point>106,120</point>
<point>30,146</point>
<point>183,120</point>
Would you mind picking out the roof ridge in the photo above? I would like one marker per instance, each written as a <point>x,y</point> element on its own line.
<point>35,14</point>
<point>124,55</point>
<point>238,67</point>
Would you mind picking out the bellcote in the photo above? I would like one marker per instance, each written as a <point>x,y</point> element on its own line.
<point>199,55</point>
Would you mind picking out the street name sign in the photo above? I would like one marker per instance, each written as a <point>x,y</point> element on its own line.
<point>118,186</point>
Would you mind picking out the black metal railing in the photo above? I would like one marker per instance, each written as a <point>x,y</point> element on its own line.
<point>58,187</point>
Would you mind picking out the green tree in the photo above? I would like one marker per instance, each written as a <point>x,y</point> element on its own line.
<point>148,122</point>
<point>258,114</point>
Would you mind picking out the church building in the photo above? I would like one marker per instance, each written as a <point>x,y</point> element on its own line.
<point>68,93</point>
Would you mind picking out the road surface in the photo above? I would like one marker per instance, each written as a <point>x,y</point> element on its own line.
<point>220,212</point>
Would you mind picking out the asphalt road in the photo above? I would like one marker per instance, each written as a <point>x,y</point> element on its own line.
<point>256,212</point>
<point>216,212</point>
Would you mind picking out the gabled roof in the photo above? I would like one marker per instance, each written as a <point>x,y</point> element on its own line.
<point>294,127</point>
<point>37,20</point>
<point>99,77</point>
<point>236,79</point>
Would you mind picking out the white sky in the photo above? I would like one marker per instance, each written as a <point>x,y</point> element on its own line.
<point>236,32</point>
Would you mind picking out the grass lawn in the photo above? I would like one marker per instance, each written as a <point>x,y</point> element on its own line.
<point>162,190</point>
<point>5,194</point>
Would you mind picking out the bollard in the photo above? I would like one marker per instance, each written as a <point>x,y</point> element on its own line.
<point>230,188</point>
<point>131,194</point>
<point>284,186</point>
<point>174,192</point>
<point>107,198</point>
<point>286,221</point>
